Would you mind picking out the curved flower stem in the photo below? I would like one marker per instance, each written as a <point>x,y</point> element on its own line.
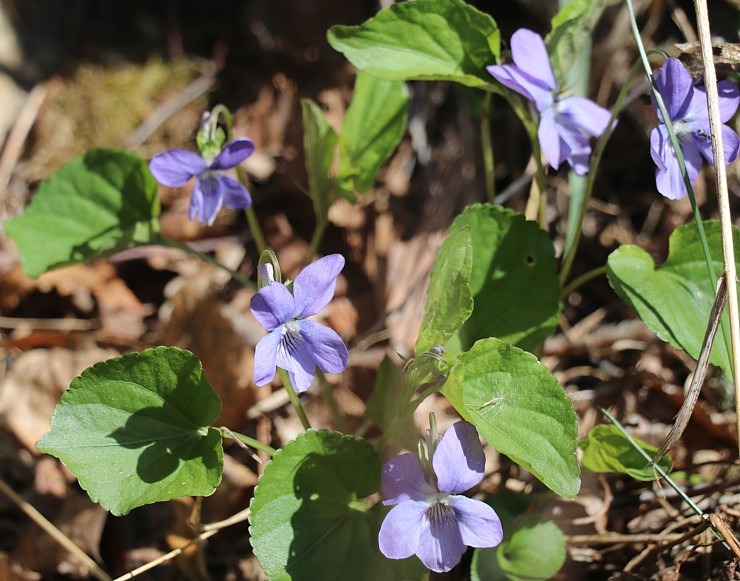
<point>539,177</point>
<point>336,413</point>
<point>251,442</point>
<point>487,148</point>
<point>243,280</point>
<point>538,199</point>
<point>581,280</point>
<point>294,399</point>
<point>318,236</point>
<point>255,229</point>
<point>252,221</point>
<point>591,179</point>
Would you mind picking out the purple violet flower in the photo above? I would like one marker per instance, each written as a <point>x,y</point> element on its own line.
<point>175,167</point>
<point>565,122</point>
<point>293,342</point>
<point>686,106</point>
<point>431,519</point>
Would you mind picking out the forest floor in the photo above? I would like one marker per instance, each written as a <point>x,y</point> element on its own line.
<point>140,78</point>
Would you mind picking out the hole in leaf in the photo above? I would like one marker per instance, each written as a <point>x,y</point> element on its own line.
<point>529,259</point>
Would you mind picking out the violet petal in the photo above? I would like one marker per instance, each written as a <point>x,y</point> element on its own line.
<point>403,479</point>
<point>549,138</point>
<point>213,197</point>
<point>236,196</point>
<point>314,286</point>
<point>326,346</point>
<point>514,78</point>
<point>175,167</point>
<point>440,544</point>
<point>272,306</point>
<point>479,524</point>
<point>295,357</point>
<point>233,154</point>
<point>265,356</point>
<point>529,53</point>
<point>400,531</point>
<point>730,144</point>
<point>196,202</point>
<point>668,178</point>
<point>459,461</point>
<point>676,87</point>
<point>575,148</point>
<point>697,114</point>
<point>585,115</point>
<point>729,99</point>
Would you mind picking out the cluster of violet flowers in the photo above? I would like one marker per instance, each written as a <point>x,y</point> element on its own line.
<point>566,123</point>
<point>430,516</point>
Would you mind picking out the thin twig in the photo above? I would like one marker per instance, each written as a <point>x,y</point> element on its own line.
<point>23,125</point>
<point>170,107</point>
<point>651,551</point>
<point>209,530</point>
<point>54,532</point>
<point>65,324</point>
<point>720,173</point>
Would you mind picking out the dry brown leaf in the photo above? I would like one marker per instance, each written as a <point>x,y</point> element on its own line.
<point>34,385</point>
<point>197,317</point>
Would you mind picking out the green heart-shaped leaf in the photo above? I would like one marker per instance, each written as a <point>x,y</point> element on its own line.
<point>423,40</point>
<point>308,520</point>
<point>514,281</point>
<point>98,204</point>
<point>674,299</point>
<point>134,430</point>
<point>520,409</point>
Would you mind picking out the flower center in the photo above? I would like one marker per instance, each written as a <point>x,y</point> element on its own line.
<point>209,182</point>
<point>440,512</point>
<point>291,336</point>
<point>681,128</point>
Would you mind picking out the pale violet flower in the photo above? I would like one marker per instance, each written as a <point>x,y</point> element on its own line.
<point>175,167</point>
<point>686,106</point>
<point>293,342</point>
<point>431,518</point>
<point>566,123</point>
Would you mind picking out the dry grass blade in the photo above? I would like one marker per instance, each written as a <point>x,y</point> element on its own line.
<point>54,532</point>
<point>728,249</point>
<point>684,414</point>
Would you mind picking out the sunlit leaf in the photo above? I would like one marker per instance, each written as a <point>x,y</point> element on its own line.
<point>606,449</point>
<point>371,130</point>
<point>449,297</point>
<point>534,550</point>
<point>308,519</point>
<point>675,298</point>
<point>425,39</point>
<point>520,409</point>
<point>516,291</point>
<point>135,430</point>
<point>103,202</point>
